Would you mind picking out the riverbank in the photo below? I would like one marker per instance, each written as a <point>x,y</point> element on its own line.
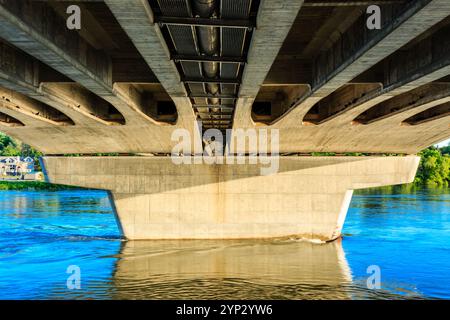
<point>21,185</point>
<point>411,188</point>
<point>33,186</point>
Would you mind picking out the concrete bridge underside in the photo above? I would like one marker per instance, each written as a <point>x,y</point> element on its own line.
<point>137,70</point>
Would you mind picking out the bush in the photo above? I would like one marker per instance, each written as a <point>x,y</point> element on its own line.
<point>434,168</point>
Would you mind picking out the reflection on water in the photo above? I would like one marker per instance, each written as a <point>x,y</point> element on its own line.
<point>231,270</point>
<point>42,233</point>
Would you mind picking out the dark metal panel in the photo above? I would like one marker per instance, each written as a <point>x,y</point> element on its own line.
<point>191,69</point>
<point>200,101</point>
<point>235,9</point>
<point>208,95</point>
<point>227,101</point>
<point>187,34</point>
<point>232,42</point>
<point>224,108</point>
<point>196,88</point>
<point>229,70</point>
<point>183,39</point>
<point>175,8</point>
<point>227,88</point>
<point>209,80</point>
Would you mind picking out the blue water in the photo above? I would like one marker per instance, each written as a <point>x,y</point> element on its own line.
<point>405,234</point>
<point>42,233</point>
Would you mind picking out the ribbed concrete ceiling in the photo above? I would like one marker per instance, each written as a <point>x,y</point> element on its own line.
<point>208,40</point>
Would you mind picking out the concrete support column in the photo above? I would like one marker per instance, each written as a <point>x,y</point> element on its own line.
<point>155,198</point>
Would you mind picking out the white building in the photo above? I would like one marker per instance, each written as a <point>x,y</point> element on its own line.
<point>16,166</point>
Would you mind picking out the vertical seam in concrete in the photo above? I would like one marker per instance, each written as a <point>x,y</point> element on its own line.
<point>44,169</point>
<point>116,214</point>
<point>342,213</point>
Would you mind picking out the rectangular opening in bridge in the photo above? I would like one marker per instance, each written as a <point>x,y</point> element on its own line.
<point>155,102</point>
<point>262,111</point>
<point>274,100</point>
<point>341,100</point>
<point>165,108</point>
<point>7,121</point>
<point>431,114</point>
<point>76,95</point>
<point>418,97</point>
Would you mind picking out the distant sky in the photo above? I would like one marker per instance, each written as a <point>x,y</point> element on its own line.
<point>443,143</point>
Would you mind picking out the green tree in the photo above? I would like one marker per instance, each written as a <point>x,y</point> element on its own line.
<point>434,168</point>
<point>5,141</point>
<point>28,151</point>
<point>11,147</point>
<point>446,150</point>
<point>10,150</point>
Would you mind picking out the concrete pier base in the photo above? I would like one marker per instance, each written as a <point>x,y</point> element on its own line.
<point>155,198</point>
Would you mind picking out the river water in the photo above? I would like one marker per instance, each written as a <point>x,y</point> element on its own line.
<point>400,237</point>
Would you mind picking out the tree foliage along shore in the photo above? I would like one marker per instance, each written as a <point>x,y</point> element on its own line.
<point>32,186</point>
<point>434,168</point>
<point>12,148</point>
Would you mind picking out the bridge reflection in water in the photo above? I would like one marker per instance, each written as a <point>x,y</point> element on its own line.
<point>233,269</point>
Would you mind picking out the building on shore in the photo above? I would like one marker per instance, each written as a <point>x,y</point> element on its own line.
<point>17,168</point>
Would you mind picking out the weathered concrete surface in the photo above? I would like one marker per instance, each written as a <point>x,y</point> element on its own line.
<point>274,20</point>
<point>136,18</point>
<point>421,63</point>
<point>83,79</point>
<point>418,18</point>
<point>40,36</point>
<point>157,199</point>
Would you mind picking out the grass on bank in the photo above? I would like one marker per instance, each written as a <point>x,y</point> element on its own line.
<point>410,188</point>
<point>33,186</point>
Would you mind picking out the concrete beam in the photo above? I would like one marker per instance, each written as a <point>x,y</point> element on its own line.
<point>274,20</point>
<point>339,65</point>
<point>24,74</point>
<point>31,113</point>
<point>132,70</point>
<point>339,21</point>
<point>37,29</point>
<point>6,121</point>
<point>137,20</point>
<point>390,132</point>
<point>429,114</point>
<point>339,135</point>
<point>333,104</point>
<point>289,71</point>
<point>82,100</point>
<point>409,69</point>
<point>401,117</point>
<point>295,65</point>
<point>24,116</point>
<point>407,104</point>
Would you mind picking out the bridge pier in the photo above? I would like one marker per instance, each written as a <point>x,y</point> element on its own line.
<point>155,198</point>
